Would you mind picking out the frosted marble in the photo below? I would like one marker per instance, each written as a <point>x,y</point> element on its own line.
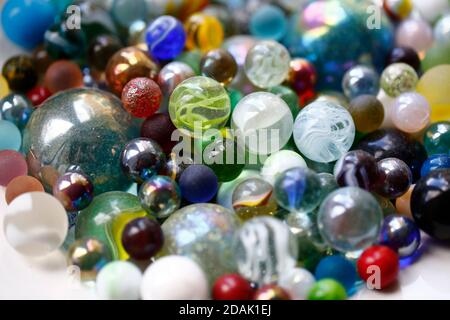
<point>411,112</point>
<point>324,131</point>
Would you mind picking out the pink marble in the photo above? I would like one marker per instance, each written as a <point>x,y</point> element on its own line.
<point>411,112</point>
<point>415,33</point>
<point>12,164</point>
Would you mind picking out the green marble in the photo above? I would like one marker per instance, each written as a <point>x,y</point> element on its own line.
<point>106,217</point>
<point>289,96</point>
<point>436,138</point>
<point>327,289</point>
<point>86,128</point>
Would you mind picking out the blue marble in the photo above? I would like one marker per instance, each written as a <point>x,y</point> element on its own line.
<point>360,80</point>
<point>268,22</point>
<point>436,161</point>
<point>11,139</point>
<point>17,109</point>
<point>165,38</point>
<point>25,21</point>
<point>324,131</point>
<point>401,234</point>
<point>338,268</point>
<point>334,36</point>
<point>298,189</point>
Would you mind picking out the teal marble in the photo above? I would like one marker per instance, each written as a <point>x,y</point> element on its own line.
<point>289,96</point>
<point>83,127</point>
<point>11,139</point>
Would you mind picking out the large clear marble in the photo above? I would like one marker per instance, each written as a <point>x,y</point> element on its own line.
<point>203,232</point>
<point>324,131</point>
<point>86,128</point>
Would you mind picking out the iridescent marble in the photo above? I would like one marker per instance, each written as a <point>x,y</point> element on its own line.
<point>60,134</point>
<point>324,32</point>
<point>204,233</point>
<point>199,103</point>
<point>253,197</point>
<point>411,112</point>
<point>17,109</point>
<point>349,220</point>
<point>298,189</point>
<point>160,196</point>
<point>324,131</point>
<point>267,64</point>
<point>106,218</point>
<point>360,80</point>
<point>264,249</point>
<point>398,78</point>
<point>74,190</point>
<point>172,74</point>
<point>263,122</point>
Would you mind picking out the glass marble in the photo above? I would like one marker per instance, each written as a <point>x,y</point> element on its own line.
<point>106,217</point>
<point>172,74</point>
<point>268,22</point>
<point>192,59</point>
<point>63,75</point>
<point>224,15</point>
<point>127,64</point>
<point>142,238</point>
<point>232,287</point>
<point>35,224</point>
<point>42,59</point>
<point>199,104</point>
<point>226,189</point>
<point>20,185</point>
<point>271,292</point>
<point>434,162</point>
<point>263,122</point>
<point>62,43</point>
<point>367,113</point>
<point>160,196</point>
<point>159,128</point>
<point>264,249</point>
<point>141,159</point>
<point>398,9</point>
<point>4,88</point>
<point>225,157</point>
<point>298,189</point>
<point>74,190</point>
<point>267,64</point>
<point>289,96</point>
<point>280,161</point>
<point>392,143</point>
<point>360,80</point>
<point>175,166</point>
<point>59,135</point>
<point>125,13</point>
<point>11,136</point>
<point>119,280</point>
<point>385,260</point>
<point>357,169</point>
<point>89,255</point>
<point>327,289</point>
<point>20,73</point>
<point>328,184</point>
<point>338,268</point>
<point>404,55</point>
<point>203,32</point>
<point>204,233</point>
<point>415,33</point>
<point>254,197</point>
<point>396,178</point>
<point>198,183</point>
<point>16,108</point>
<point>165,38</point>
<point>434,85</point>
<point>438,54</point>
<point>398,78</point>
<point>322,31</point>
<point>12,165</point>
<point>403,203</point>
<point>24,22</point>
<point>349,220</point>
<point>141,97</point>
<point>101,49</point>
<point>411,112</point>
<point>219,65</point>
<point>302,78</point>
<point>441,29</point>
<point>400,234</point>
<point>430,204</point>
<point>174,277</point>
<point>297,282</point>
<point>38,95</point>
<point>324,131</point>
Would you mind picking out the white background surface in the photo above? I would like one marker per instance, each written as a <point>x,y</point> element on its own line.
<point>47,277</point>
